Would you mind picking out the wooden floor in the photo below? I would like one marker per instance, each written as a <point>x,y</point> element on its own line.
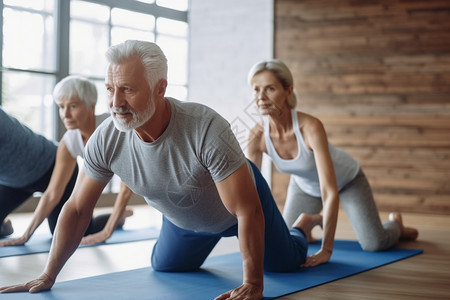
<point>425,276</point>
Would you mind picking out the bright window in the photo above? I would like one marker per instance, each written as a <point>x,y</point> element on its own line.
<point>25,84</point>
<point>27,96</point>
<point>174,4</point>
<point>46,40</point>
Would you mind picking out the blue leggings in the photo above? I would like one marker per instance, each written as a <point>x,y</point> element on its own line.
<point>179,250</point>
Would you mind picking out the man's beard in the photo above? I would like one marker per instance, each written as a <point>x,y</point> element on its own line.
<point>137,119</point>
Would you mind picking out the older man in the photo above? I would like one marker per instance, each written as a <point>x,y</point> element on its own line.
<point>185,161</point>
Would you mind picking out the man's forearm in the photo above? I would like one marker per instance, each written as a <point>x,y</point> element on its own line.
<point>69,231</point>
<point>251,242</point>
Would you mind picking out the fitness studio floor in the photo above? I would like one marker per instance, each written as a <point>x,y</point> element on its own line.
<point>425,276</point>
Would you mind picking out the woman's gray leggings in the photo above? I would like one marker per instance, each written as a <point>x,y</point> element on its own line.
<point>357,200</point>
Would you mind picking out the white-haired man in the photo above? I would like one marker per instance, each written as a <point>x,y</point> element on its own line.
<point>185,161</point>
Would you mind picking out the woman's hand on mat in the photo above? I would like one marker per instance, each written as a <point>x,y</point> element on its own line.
<point>95,238</point>
<point>319,258</point>
<point>245,291</point>
<point>14,242</point>
<point>43,283</point>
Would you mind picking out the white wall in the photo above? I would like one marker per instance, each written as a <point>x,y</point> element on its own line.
<point>226,38</point>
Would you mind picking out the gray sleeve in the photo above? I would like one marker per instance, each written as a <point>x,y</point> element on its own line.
<point>95,164</point>
<point>221,153</point>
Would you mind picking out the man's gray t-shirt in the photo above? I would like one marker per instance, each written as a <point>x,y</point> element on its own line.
<point>176,173</point>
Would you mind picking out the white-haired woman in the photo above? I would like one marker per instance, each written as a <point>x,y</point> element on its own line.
<point>322,176</point>
<point>76,98</point>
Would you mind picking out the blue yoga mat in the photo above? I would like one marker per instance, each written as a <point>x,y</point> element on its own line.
<point>218,275</point>
<point>40,243</point>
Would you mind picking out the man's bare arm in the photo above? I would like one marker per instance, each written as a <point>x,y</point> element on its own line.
<point>72,224</point>
<point>240,197</point>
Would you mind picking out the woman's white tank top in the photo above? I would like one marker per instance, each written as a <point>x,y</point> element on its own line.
<point>74,141</point>
<point>303,166</point>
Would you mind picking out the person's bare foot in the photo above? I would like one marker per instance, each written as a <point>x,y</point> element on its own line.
<point>127,213</point>
<point>6,228</point>
<point>306,223</point>
<point>408,233</point>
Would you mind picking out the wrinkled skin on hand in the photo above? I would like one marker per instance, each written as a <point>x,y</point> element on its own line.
<point>14,242</point>
<point>246,291</point>
<point>316,259</point>
<point>43,283</point>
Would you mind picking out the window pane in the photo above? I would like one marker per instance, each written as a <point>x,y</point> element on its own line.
<point>172,27</point>
<point>128,25</point>
<point>176,51</point>
<point>119,35</point>
<point>146,1</point>
<point>88,44</point>
<point>28,97</point>
<point>132,19</point>
<point>174,4</point>
<point>89,11</point>
<point>44,5</point>
<point>23,30</point>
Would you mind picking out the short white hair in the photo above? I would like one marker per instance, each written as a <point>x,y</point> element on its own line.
<point>150,54</point>
<point>74,86</point>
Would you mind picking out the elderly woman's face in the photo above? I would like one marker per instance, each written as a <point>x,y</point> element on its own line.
<point>268,93</point>
<point>74,112</point>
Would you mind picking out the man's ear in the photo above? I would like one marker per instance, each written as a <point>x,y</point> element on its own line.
<point>160,88</point>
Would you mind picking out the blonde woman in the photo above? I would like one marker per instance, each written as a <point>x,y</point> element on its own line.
<point>322,176</point>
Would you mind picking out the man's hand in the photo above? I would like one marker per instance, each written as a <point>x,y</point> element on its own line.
<point>245,291</point>
<point>43,283</point>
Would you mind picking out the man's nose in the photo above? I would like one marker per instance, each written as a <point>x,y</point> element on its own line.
<point>117,100</point>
